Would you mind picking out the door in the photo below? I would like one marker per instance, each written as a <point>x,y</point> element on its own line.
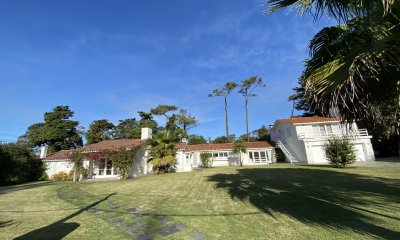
<point>105,167</point>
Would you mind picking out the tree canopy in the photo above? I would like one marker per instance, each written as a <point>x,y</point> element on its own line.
<point>57,131</point>
<point>99,130</point>
<point>127,129</point>
<point>224,92</point>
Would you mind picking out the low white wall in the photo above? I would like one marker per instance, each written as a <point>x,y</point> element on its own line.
<point>57,166</point>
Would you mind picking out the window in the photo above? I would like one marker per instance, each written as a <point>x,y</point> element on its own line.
<point>220,155</point>
<point>323,130</point>
<point>258,156</point>
<point>106,167</point>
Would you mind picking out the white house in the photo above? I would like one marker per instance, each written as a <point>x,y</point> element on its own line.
<point>257,153</point>
<point>97,163</point>
<point>187,156</point>
<point>302,139</point>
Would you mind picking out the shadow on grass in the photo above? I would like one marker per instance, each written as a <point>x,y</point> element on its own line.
<point>316,196</point>
<point>61,228</point>
<point>6,223</point>
<point>25,186</point>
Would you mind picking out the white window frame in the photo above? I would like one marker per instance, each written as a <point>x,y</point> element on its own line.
<point>258,160</point>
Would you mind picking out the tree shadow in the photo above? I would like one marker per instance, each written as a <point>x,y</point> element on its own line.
<point>6,223</point>
<point>315,196</point>
<point>61,228</point>
<point>13,188</point>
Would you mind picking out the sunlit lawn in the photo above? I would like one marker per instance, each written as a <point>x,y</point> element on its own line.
<point>271,202</point>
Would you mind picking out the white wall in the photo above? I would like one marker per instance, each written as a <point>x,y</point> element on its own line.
<point>56,166</point>
<point>291,141</point>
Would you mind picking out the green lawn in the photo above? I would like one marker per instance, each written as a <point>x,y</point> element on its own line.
<point>272,202</point>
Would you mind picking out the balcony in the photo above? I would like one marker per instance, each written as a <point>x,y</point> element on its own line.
<point>360,133</point>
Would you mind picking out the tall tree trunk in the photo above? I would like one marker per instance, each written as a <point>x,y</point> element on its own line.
<point>226,118</point>
<point>397,116</point>
<point>247,119</point>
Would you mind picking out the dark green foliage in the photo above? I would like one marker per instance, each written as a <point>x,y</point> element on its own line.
<point>245,138</point>
<point>162,152</point>
<point>196,139</point>
<point>186,121</point>
<point>239,147</point>
<point>339,152</point>
<point>77,159</point>
<point>57,131</point>
<point>127,129</point>
<point>261,134</point>
<point>221,139</point>
<point>146,120</point>
<point>18,164</point>
<point>99,130</point>
<point>122,160</point>
<point>280,156</point>
<point>206,159</point>
<point>163,110</point>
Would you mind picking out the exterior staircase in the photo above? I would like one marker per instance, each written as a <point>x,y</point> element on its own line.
<point>292,159</point>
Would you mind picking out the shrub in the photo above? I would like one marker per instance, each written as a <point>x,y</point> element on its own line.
<point>18,164</point>
<point>62,176</point>
<point>339,152</point>
<point>206,159</point>
<point>280,156</point>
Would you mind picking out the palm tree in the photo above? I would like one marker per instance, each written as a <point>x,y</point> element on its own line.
<point>224,92</point>
<point>162,152</point>
<point>246,89</point>
<point>354,67</point>
<point>239,147</point>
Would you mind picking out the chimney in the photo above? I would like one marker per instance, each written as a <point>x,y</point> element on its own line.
<point>146,133</point>
<point>43,151</point>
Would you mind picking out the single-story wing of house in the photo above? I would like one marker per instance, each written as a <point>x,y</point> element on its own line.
<point>97,163</point>
<point>188,156</point>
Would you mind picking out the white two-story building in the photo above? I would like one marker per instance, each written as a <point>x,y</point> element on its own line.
<point>303,139</point>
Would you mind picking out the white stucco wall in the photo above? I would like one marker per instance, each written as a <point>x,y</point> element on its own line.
<point>56,166</point>
<point>291,142</point>
<point>311,150</point>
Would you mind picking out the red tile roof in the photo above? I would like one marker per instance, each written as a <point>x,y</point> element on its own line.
<point>111,145</point>
<point>98,147</point>
<point>304,120</point>
<point>220,146</point>
<point>60,155</point>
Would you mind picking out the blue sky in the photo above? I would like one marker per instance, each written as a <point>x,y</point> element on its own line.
<point>110,59</point>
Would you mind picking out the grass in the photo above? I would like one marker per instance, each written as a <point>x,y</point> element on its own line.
<point>389,159</point>
<point>272,202</point>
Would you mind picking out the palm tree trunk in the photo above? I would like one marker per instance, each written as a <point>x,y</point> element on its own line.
<point>226,118</point>
<point>247,118</point>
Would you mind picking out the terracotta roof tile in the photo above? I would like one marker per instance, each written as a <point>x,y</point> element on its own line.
<point>60,155</point>
<point>220,146</point>
<point>98,147</point>
<point>303,120</point>
<point>111,145</point>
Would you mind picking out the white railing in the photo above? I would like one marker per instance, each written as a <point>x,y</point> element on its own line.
<point>286,152</point>
<point>351,134</point>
